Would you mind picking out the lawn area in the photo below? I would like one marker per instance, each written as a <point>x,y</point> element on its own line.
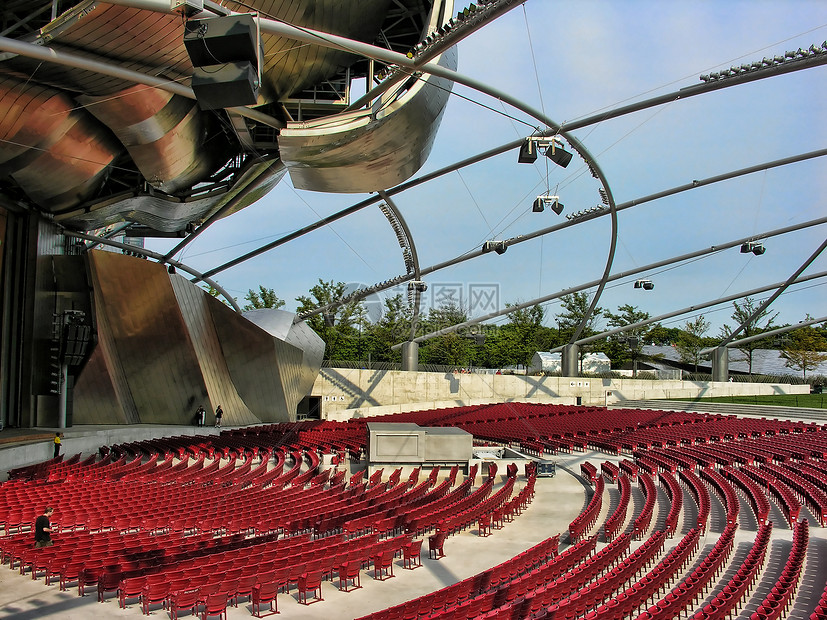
<point>814,401</point>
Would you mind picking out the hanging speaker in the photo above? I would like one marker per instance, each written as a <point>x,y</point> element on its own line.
<point>528,153</point>
<point>559,156</point>
<point>221,39</point>
<point>225,86</point>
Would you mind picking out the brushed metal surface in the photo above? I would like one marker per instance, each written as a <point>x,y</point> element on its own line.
<point>370,150</point>
<point>164,134</point>
<point>168,214</point>
<point>69,117</point>
<point>58,155</point>
<point>164,346</point>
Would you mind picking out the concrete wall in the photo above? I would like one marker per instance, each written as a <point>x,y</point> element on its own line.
<point>79,439</point>
<point>347,393</point>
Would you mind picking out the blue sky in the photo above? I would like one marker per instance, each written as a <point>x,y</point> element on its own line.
<point>588,56</point>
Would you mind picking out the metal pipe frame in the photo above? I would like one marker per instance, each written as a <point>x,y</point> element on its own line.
<point>159,257</point>
<point>377,53</point>
<point>414,258</point>
<point>692,308</point>
<point>68,59</point>
<point>618,276</point>
<point>775,332</point>
<point>774,296</point>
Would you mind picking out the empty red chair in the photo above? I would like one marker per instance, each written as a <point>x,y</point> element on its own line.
<point>350,572</point>
<point>215,605</point>
<point>185,599</point>
<point>154,593</point>
<point>264,593</point>
<point>485,524</point>
<point>109,581</point>
<point>130,588</point>
<point>383,565</point>
<point>411,554</point>
<point>310,582</point>
<point>436,544</point>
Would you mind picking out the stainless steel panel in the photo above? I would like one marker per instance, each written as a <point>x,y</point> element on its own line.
<point>163,133</point>
<point>194,304</point>
<point>57,154</point>
<point>150,338</point>
<point>369,150</point>
<point>168,214</point>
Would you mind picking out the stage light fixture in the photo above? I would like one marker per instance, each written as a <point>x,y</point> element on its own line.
<point>756,247</point>
<point>494,246</point>
<point>646,285</point>
<point>552,202</point>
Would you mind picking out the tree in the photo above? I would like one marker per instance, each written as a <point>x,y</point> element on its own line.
<point>575,306</point>
<point>265,298</point>
<point>337,326</point>
<point>634,338</point>
<point>806,350</point>
<point>394,327</point>
<point>524,333</point>
<point>690,342</point>
<point>761,323</point>
<point>452,349</point>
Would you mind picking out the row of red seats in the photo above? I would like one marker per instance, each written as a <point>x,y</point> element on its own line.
<point>739,585</point>
<point>701,496</point>
<point>616,520</point>
<point>531,559</point>
<point>583,522</point>
<point>675,494</point>
<point>650,493</point>
<point>776,603</point>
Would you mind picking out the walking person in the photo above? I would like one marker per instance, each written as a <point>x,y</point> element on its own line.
<point>43,529</point>
<point>219,412</point>
<point>57,444</point>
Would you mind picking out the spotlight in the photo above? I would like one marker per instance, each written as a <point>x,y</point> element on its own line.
<point>558,155</point>
<point>417,285</point>
<point>171,269</point>
<point>756,247</point>
<point>494,246</point>
<point>552,202</point>
<point>646,285</point>
<point>528,152</point>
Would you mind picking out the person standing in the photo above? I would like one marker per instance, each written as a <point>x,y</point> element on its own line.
<point>43,529</point>
<point>200,415</point>
<point>219,412</point>
<point>57,444</point>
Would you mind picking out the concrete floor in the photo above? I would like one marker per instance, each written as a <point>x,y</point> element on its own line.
<point>558,500</point>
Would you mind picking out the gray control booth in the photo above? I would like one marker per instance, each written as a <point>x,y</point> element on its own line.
<point>395,444</point>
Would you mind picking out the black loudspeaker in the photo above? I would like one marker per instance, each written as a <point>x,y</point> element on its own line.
<point>221,39</point>
<point>528,153</point>
<point>225,86</point>
<point>559,156</point>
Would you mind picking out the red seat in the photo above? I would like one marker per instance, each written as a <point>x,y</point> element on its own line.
<point>154,593</point>
<point>383,565</point>
<point>310,582</point>
<point>109,581</point>
<point>411,554</point>
<point>485,524</point>
<point>130,588</point>
<point>436,544</point>
<point>184,599</point>
<point>215,605</point>
<point>350,572</point>
<point>265,593</point>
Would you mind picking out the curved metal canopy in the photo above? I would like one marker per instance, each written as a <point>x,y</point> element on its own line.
<point>94,148</point>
